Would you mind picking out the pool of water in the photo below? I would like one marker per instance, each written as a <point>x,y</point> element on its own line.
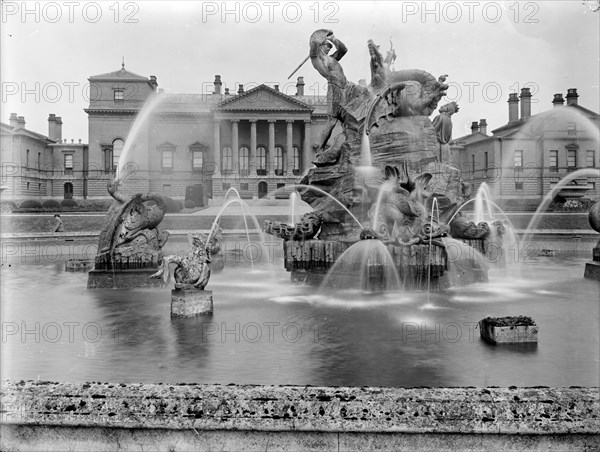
<point>265,330</point>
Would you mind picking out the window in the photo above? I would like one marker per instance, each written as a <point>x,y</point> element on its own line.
<point>244,186</point>
<point>227,163</point>
<point>197,159</point>
<point>519,185</point>
<point>261,157</point>
<point>119,95</point>
<point>27,185</point>
<point>518,160</point>
<point>167,161</point>
<point>590,158</point>
<point>554,161</point>
<point>485,164</point>
<point>39,161</point>
<point>473,165</point>
<point>118,145</point>
<point>296,157</point>
<point>278,161</point>
<point>108,164</point>
<point>68,163</point>
<point>571,159</point>
<point>197,153</point>
<point>27,159</point>
<point>166,188</point>
<point>572,128</point>
<point>592,183</point>
<point>243,159</point>
<point>226,186</point>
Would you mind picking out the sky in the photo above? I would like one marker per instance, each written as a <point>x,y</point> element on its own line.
<point>488,49</point>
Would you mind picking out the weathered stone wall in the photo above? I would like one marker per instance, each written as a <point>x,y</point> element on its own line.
<point>103,416</point>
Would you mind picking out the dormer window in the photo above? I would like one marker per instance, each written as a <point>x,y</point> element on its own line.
<point>119,95</point>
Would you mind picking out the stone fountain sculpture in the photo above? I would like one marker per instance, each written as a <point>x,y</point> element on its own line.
<point>191,273</point>
<point>130,244</point>
<point>386,174</point>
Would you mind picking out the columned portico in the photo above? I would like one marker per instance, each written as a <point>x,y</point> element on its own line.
<point>263,150</point>
<point>289,151</point>
<point>271,159</point>
<point>252,163</point>
<point>217,147</point>
<point>306,154</point>
<point>235,144</point>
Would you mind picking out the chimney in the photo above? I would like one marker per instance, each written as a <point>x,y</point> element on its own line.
<point>572,96</point>
<point>55,127</point>
<point>558,100</point>
<point>227,91</point>
<point>276,87</point>
<point>241,89</point>
<point>525,103</point>
<point>218,84</point>
<point>13,119</point>
<point>483,126</point>
<point>300,87</point>
<point>513,107</point>
<point>21,122</point>
<point>474,127</point>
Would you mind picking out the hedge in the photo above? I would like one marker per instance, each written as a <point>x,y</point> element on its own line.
<point>30,204</point>
<point>52,204</point>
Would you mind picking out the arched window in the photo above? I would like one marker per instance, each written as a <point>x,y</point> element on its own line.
<point>227,163</point>
<point>118,145</point>
<point>244,156</point>
<point>261,157</point>
<point>278,160</point>
<point>296,160</point>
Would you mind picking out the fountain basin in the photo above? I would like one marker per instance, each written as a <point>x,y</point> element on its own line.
<point>103,416</point>
<point>310,260</point>
<point>574,191</point>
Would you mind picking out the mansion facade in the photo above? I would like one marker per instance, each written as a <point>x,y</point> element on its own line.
<point>524,160</point>
<point>262,140</point>
<point>255,141</point>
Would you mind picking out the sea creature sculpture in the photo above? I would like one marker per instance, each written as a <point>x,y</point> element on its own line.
<point>305,229</point>
<point>191,270</point>
<point>132,225</point>
<point>401,215</point>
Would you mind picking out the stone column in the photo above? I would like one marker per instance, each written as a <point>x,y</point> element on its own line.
<point>271,159</point>
<point>252,158</point>
<point>217,147</point>
<point>288,160</point>
<point>307,152</point>
<point>235,145</point>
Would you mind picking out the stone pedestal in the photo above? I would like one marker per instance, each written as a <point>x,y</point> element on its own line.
<point>190,302</point>
<point>122,279</point>
<point>592,269</point>
<point>508,330</point>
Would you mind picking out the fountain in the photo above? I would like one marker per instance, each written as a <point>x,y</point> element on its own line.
<point>592,269</point>
<point>130,244</point>
<point>379,177</point>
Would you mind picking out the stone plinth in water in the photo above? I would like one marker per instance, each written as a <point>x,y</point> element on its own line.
<point>508,330</point>
<point>190,302</point>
